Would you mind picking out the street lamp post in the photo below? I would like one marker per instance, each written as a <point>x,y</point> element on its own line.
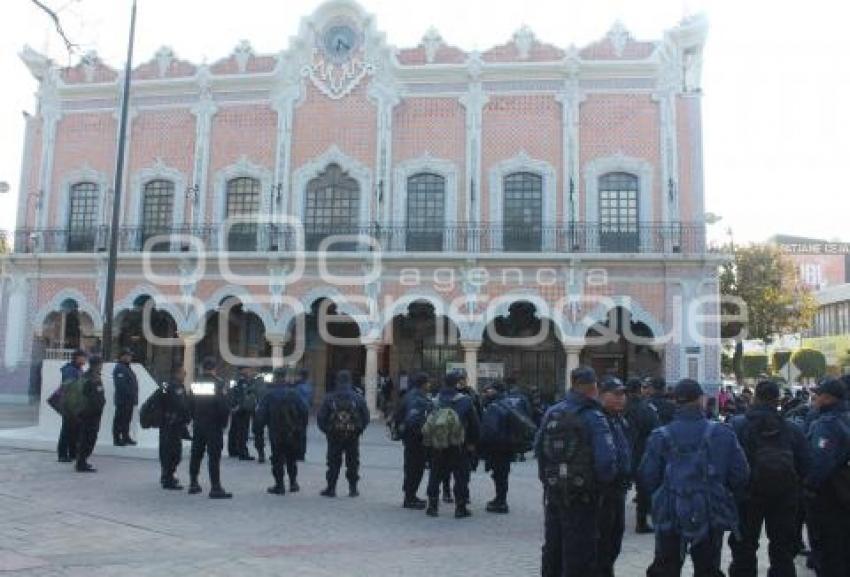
<point>109,300</point>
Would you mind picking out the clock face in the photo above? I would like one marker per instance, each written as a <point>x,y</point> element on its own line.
<point>340,41</point>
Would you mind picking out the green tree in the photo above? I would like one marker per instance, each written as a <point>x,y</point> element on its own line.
<point>811,363</point>
<point>776,304</point>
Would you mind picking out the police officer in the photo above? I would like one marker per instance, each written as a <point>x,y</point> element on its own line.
<point>779,460</point>
<point>570,535</point>
<point>829,443</point>
<point>642,420</point>
<point>494,444</point>
<point>70,372</point>
<point>175,417</point>
<point>409,416</point>
<point>658,400</point>
<point>454,461</point>
<point>691,433</point>
<point>126,397</point>
<point>343,417</point>
<point>258,428</point>
<point>612,496</point>
<point>88,422</point>
<point>210,412</point>
<point>243,402</point>
<point>284,412</point>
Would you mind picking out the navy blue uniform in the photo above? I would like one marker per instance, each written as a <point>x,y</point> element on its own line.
<point>126,397</point>
<point>88,422</point>
<point>350,449</point>
<point>497,451</point>
<point>729,465</point>
<point>778,513</point>
<point>415,453</point>
<point>241,394</point>
<point>642,420</point>
<point>455,461</point>
<point>285,440</point>
<point>612,499</point>
<point>829,442</point>
<point>663,407</point>
<point>570,543</point>
<point>175,417</point>
<point>209,415</point>
<point>67,446</point>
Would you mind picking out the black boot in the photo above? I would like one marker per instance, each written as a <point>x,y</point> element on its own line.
<point>433,509</point>
<point>194,486</point>
<point>172,484</point>
<point>352,489</point>
<point>329,492</point>
<point>219,493</point>
<point>497,506</point>
<point>277,490</point>
<point>461,511</point>
<point>294,487</point>
<point>414,502</point>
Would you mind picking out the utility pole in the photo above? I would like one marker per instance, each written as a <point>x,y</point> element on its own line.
<point>109,300</point>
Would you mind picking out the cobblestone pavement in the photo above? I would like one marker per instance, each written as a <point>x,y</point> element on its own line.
<point>118,522</point>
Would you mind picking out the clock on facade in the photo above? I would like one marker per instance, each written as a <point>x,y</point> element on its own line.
<point>340,41</point>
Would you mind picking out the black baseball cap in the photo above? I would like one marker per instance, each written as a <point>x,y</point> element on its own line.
<point>583,376</point>
<point>611,384</point>
<point>687,391</point>
<point>831,386</point>
<point>768,391</point>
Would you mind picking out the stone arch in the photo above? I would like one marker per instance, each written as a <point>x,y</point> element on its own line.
<point>248,301</point>
<point>55,305</point>
<point>310,170</point>
<point>161,302</point>
<point>599,314</point>
<point>500,307</point>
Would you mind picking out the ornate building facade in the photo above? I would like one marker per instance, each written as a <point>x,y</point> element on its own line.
<point>525,189</point>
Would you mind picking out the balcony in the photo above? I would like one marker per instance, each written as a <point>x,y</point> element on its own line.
<point>475,238</point>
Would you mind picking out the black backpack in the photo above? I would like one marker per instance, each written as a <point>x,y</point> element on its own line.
<point>521,430</point>
<point>152,411</point>
<point>771,456</point>
<point>285,420</point>
<point>345,422</point>
<point>566,467</point>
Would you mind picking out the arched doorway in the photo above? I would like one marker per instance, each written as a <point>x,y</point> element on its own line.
<point>618,355</point>
<point>246,336</point>
<point>66,329</point>
<point>537,360</point>
<point>421,340</point>
<point>157,358</point>
<point>323,357</point>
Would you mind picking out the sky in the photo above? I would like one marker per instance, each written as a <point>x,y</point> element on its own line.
<point>776,115</point>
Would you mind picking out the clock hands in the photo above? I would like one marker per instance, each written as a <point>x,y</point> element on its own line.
<point>342,45</point>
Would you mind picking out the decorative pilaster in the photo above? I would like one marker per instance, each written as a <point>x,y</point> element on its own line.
<point>50,116</point>
<point>16,318</point>
<point>204,111</point>
<point>573,356</point>
<point>284,103</point>
<point>387,96</point>
<point>277,342</point>
<point>473,101</point>
<point>571,98</point>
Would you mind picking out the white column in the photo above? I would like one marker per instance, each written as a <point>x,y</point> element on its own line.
<point>284,104</point>
<point>573,352</point>
<point>371,380</point>
<point>16,321</point>
<point>473,101</point>
<point>189,342</point>
<point>277,342</point>
<point>204,111</point>
<point>51,117</point>
<point>470,362</point>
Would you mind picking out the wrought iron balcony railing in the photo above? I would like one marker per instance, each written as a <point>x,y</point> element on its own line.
<point>485,238</point>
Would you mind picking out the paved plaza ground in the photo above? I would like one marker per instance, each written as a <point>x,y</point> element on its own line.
<point>118,522</point>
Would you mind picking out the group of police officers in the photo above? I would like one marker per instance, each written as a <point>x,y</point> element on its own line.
<point>697,478</point>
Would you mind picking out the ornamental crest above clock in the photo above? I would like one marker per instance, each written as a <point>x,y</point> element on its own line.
<point>339,58</point>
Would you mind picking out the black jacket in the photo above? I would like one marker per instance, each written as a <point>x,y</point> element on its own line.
<point>126,385</point>
<point>642,420</point>
<point>175,405</point>
<point>213,411</point>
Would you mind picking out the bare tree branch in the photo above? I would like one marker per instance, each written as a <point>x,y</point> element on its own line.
<point>70,46</point>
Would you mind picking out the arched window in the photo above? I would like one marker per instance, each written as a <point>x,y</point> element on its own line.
<point>82,216</point>
<point>331,207</point>
<point>157,211</point>
<point>618,212</point>
<point>523,212</point>
<point>243,201</point>
<point>426,212</point>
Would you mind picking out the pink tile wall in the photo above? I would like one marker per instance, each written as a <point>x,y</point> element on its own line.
<point>166,134</point>
<point>445,54</point>
<point>34,125</point>
<point>689,137</point>
<point>620,123</point>
<point>241,130</point>
<point>509,52</point>
<point>81,139</point>
<point>436,126</point>
<point>515,123</point>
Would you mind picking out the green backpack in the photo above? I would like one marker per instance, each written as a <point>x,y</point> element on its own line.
<point>74,402</point>
<point>443,428</point>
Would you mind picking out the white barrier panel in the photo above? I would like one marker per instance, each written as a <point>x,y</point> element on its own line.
<point>50,423</point>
